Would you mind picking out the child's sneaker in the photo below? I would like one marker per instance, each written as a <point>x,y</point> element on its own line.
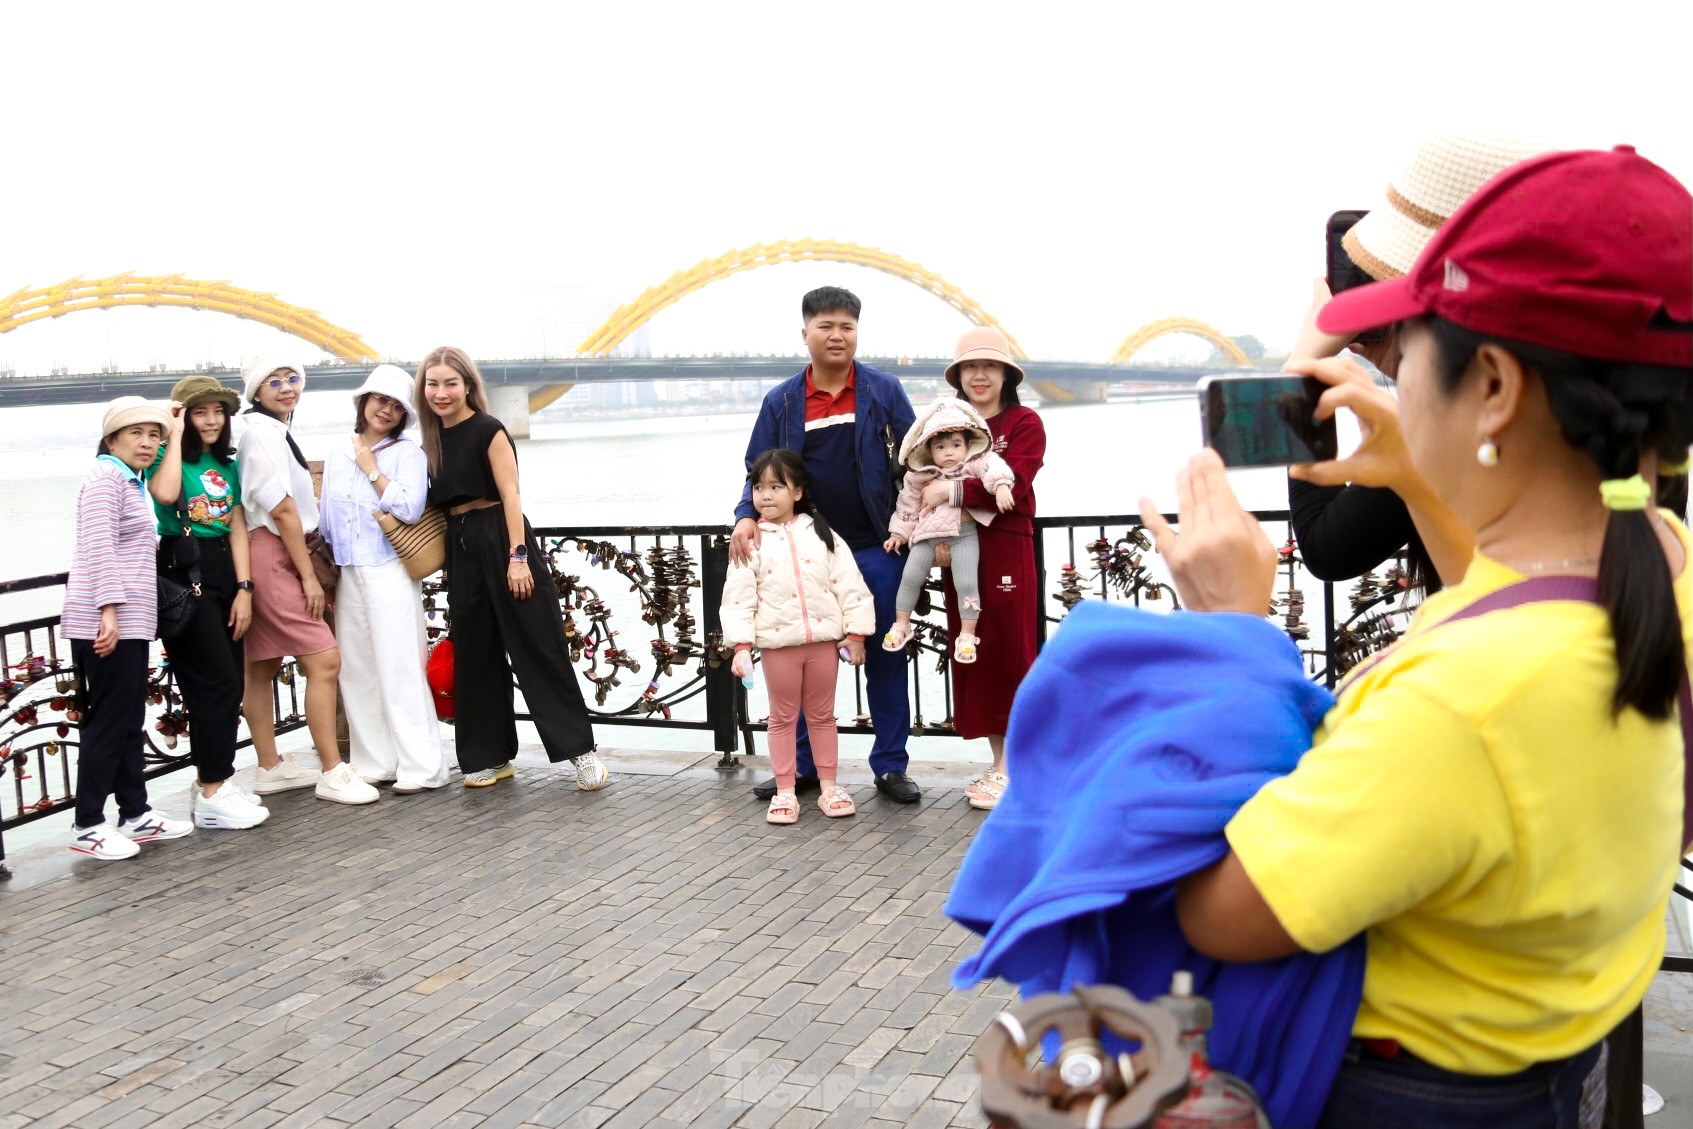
<point>102,841</point>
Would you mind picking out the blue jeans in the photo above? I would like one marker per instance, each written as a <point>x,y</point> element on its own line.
<point>1407,1093</point>
<point>884,672</point>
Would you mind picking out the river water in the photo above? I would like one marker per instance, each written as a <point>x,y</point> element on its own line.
<point>679,469</point>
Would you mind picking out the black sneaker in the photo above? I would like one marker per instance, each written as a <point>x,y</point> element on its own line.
<point>898,787</point>
<point>802,786</point>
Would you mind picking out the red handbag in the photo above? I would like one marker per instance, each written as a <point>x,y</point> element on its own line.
<point>439,672</point>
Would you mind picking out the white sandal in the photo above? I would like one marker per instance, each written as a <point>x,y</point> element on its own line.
<point>964,650</point>
<point>897,637</point>
<point>987,794</point>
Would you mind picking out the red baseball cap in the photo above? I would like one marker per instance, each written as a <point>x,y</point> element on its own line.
<point>1588,252</point>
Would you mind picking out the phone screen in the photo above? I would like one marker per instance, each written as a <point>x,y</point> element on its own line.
<point>1265,420</point>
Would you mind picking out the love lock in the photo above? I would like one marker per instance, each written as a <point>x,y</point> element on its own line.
<point>1086,1087</point>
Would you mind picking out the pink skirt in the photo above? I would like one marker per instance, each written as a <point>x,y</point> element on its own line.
<point>281,625</point>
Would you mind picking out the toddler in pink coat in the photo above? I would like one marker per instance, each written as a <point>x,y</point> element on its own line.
<point>948,443</point>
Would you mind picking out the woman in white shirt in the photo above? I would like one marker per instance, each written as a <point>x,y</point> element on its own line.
<point>288,601</point>
<point>378,606</point>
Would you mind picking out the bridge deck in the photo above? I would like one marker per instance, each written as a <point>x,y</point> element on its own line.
<point>651,955</point>
<point>524,955</point>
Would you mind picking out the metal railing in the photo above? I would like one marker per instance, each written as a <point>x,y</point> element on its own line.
<point>669,581</point>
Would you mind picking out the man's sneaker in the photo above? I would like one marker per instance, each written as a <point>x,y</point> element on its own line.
<point>591,772</point>
<point>151,827</point>
<point>342,785</point>
<point>288,775</point>
<point>227,809</point>
<point>102,841</point>
<point>481,778</point>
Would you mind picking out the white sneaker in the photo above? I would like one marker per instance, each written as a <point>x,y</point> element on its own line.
<point>102,841</point>
<point>591,772</point>
<point>227,809</point>
<point>288,775</point>
<point>342,785</point>
<point>153,827</point>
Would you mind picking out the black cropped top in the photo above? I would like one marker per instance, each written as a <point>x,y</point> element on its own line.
<point>465,475</point>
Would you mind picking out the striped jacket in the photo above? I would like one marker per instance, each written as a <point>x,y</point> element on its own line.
<point>113,562</point>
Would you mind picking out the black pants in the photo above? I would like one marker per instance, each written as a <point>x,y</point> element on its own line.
<point>209,666</point>
<point>114,709</point>
<point>488,626</point>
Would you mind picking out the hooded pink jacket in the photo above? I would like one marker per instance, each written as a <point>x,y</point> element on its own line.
<point>910,521</point>
<point>794,591</point>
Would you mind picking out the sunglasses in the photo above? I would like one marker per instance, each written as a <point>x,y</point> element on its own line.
<point>387,402</point>
<point>278,383</point>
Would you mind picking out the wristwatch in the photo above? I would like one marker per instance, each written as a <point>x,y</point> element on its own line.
<point>373,474</point>
<point>244,585</point>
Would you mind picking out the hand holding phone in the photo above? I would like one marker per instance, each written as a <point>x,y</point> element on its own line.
<point>1265,420</point>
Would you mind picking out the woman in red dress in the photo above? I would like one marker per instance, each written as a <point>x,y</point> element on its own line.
<point>985,374</point>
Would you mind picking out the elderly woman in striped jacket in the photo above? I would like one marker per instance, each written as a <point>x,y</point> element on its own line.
<point>110,617</point>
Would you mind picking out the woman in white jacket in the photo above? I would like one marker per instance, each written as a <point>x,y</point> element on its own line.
<point>799,600</point>
<point>378,606</point>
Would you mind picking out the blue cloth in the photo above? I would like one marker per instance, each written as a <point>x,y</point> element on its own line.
<point>882,415</point>
<point>1133,741</point>
<point>346,516</point>
<point>884,673</point>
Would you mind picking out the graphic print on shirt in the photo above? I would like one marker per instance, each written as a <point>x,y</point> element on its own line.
<point>212,505</point>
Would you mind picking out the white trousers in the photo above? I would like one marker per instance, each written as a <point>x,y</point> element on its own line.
<point>390,713</point>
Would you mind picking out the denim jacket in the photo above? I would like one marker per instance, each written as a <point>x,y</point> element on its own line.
<point>882,415</point>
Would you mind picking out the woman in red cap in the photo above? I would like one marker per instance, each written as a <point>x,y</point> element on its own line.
<point>1499,800</point>
<point>986,375</point>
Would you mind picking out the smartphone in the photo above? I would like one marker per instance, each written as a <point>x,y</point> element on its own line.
<point>1343,273</point>
<point>1265,420</point>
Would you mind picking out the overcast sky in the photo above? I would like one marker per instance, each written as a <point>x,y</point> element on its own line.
<point>500,176</point>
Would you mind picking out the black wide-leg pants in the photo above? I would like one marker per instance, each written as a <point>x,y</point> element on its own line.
<point>210,667</point>
<point>110,758</point>
<point>494,636</point>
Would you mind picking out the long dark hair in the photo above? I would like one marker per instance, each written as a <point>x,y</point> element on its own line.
<point>193,447</point>
<point>788,467</point>
<point>1614,413</point>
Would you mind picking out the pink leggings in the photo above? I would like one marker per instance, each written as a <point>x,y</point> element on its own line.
<point>795,677</point>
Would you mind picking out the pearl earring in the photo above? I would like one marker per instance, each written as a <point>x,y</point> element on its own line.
<point>1488,453</point>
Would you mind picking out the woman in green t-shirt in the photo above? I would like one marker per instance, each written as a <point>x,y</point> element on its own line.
<point>196,481</point>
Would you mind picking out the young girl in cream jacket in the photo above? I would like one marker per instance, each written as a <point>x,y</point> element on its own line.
<point>801,601</point>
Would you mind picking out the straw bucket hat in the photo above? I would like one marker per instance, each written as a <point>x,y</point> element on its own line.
<point>1446,171</point>
<point>984,343</point>
<point>128,410</point>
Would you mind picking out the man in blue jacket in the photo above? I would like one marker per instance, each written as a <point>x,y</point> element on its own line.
<point>846,420</point>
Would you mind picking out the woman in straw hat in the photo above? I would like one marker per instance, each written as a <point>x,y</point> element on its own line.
<point>378,606</point>
<point>1345,529</point>
<point>1498,801</point>
<point>196,488</point>
<point>288,601</point>
<point>986,375</point>
<point>110,617</point>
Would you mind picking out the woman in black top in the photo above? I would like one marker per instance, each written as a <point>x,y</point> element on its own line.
<point>494,573</point>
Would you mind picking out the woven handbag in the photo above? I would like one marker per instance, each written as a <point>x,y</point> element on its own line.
<point>422,545</point>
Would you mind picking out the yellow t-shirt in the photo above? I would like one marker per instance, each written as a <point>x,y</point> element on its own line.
<point>1470,802</point>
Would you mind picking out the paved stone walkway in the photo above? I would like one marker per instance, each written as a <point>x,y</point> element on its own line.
<point>650,955</point>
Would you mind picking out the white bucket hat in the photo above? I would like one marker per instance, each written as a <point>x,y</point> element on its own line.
<point>260,367</point>
<point>1446,171</point>
<point>393,382</point>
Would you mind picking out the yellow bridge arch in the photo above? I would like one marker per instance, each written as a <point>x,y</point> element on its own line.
<point>626,319</point>
<point>1164,327</point>
<point>81,293</point>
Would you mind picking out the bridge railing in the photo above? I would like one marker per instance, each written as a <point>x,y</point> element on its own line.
<point>640,607</point>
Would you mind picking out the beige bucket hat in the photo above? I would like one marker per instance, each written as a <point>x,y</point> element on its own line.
<point>1445,171</point>
<point>984,343</point>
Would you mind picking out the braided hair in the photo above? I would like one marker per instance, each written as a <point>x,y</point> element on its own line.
<point>788,467</point>
<point>1614,413</point>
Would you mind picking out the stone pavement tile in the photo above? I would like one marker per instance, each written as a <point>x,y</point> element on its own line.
<point>566,1108</point>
